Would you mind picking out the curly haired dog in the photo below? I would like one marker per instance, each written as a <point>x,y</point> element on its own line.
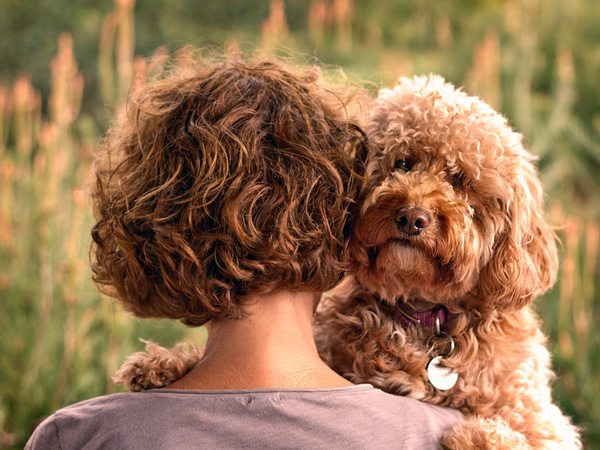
<point>450,249</point>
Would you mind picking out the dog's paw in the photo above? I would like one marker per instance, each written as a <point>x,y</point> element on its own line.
<point>479,433</point>
<point>157,366</point>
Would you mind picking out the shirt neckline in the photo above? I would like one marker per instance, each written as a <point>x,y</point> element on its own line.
<point>341,389</point>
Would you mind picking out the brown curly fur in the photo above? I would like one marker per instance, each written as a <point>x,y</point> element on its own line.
<point>156,367</point>
<point>225,177</point>
<point>485,253</point>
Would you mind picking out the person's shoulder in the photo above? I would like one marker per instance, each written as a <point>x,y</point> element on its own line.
<point>56,430</point>
<point>413,406</point>
<point>45,436</point>
<point>102,402</point>
<point>363,416</point>
<point>421,425</point>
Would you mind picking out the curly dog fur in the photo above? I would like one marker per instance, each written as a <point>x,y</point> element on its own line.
<point>453,221</point>
<point>157,367</point>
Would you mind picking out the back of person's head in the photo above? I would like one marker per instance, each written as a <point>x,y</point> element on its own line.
<point>232,179</point>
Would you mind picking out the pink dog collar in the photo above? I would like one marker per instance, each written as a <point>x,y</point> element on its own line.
<point>423,319</point>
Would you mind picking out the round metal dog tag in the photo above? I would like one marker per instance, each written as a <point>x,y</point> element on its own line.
<point>440,376</point>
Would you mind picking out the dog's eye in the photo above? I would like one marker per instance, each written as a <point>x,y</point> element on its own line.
<point>401,165</point>
<point>458,180</point>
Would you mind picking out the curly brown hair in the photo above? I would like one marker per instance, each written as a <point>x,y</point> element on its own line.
<point>235,180</point>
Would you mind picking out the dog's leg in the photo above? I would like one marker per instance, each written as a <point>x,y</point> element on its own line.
<point>549,429</point>
<point>479,433</point>
<point>156,367</point>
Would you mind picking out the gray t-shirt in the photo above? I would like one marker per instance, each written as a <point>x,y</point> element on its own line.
<point>354,417</point>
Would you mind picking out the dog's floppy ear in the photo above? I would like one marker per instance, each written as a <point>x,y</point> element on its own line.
<point>524,263</point>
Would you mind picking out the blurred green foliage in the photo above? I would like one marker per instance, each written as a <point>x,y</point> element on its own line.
<point>536,61</point>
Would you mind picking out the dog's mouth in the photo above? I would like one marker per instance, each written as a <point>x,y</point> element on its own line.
<point>405,242</point>
<point>406,249</point>
<point>412,243</point>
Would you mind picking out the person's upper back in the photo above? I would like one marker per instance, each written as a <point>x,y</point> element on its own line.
<point>355,417</point>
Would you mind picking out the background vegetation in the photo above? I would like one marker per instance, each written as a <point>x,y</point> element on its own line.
<point>66,67</point>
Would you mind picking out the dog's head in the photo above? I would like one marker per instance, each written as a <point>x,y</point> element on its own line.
<point>453,214</point>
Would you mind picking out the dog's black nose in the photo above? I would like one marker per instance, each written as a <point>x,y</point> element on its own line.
<point>412,220</point>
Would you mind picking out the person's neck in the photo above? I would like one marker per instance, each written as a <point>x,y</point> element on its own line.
<point>272,347</point>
